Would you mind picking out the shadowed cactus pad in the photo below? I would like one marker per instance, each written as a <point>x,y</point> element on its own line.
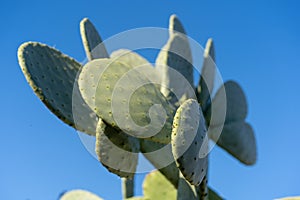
<point>189,141</point>
<point>205,87</point>
<point>175,25</point>
<point>52,76</point>
<point>186,191</point>
<point>236,104</point>
<point>161,157</point>
<point>174,63</point>
<point>117,151</point>
<point>237,137</point>
<point>92,42</point>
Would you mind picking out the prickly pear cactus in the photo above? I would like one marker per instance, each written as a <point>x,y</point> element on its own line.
<point>132,107</point>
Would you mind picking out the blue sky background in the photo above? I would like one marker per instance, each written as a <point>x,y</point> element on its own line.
<point>257,44</point>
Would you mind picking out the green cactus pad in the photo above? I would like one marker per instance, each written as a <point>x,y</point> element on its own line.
<point>79,195</point>
<point>117,151</point>
<point>174,63</point>
<point>236,104</point>
<point>289,198</point>
<point>137,198</point>
<point>92,41</point>
<point>175,25</point>
<point>52,76</point>
<point>205,87</point>
<point>238,139</point>
<point>157,187</point>
<point>189,141</point>
<point>162,160</point>
<point>126,99</point>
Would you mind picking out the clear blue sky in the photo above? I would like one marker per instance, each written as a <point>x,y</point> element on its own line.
<point>257,44</point>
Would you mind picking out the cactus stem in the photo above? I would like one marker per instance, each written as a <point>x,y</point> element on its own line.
<point>127,187</point>
<point>202,189</point>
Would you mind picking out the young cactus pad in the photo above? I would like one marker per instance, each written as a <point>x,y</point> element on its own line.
<point>157,187</point>
<point>189,141</point>
<point>79,195</point>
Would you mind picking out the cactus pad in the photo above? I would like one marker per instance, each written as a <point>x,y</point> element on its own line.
<point>189,141</point>
<point>130,58</point>
<point>205,87</point>
<point>157,187</point>
<point>162,159</point>
<point>89,78</point>
<point>212,195</point>
<point>175,25</point>
<point>117,151</point>
<point>126,99</point>
<point>236,104</point>
<point>174,62</point>
<point>79,195</point>
<point>289,198</point>
<point>238,139</point>
<point>136,198</point>
<point>52,76</point>
<point>133,60</point>
<point>185,190</point>
<point>92,42</point>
